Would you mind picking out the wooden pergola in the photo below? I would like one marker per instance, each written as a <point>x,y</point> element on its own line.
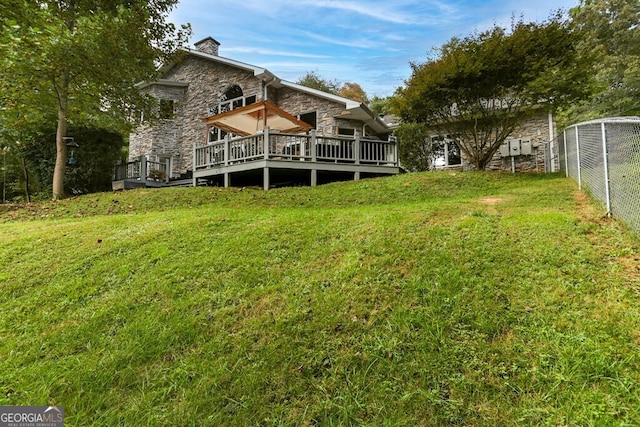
<point>252,119</point>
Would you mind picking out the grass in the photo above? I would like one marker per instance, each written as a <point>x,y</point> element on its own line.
<point>427,299</point>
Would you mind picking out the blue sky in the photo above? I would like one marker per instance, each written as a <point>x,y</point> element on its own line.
<point>367,42</point>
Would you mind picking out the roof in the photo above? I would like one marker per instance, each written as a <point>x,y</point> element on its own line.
<point>259,72</point>
<point>205,39</point>
<point>162,82</point>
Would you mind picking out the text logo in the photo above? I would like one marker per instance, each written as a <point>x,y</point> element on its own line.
<point>31,416</point>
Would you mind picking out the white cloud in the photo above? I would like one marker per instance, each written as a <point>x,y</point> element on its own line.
<point>269,52</point>
<point>358,43</point>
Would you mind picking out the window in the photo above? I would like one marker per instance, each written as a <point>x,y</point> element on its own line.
<point>216,134</point>
<point>346,131</point>
<point>232,92</point>
<point>445,152</point>
<point>213,134</point>
<point>309,118</point>
<point>166,109</point>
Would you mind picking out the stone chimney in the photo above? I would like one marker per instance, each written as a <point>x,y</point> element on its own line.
<point>208,45</point>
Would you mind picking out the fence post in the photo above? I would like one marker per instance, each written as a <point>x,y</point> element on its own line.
<point>578,158</point>
<point>551,143</point>
<point>566,159</point>
<point>313,144</point>
<point>606,167</point>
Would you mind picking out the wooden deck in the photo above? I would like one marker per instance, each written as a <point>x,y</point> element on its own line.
<point>270,159</point>
<point>275,158</point>
<point>141,173</point>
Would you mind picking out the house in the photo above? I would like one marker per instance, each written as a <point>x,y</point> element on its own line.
<point>531,147</point>
<point>223,122</point>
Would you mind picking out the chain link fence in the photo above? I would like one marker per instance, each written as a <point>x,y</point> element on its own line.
<point>603,156</point>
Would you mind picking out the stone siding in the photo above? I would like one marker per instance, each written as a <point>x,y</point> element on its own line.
<point>208,45</point>
<point>160,91</point>
<point>158,137</point>
<point>157,140</point>
<point>297,103</point>
<point>536,128</point>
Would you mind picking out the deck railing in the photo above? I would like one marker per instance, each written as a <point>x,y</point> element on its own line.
<point>129,170</point>
<point>281,146</point>
<point>142,169</point>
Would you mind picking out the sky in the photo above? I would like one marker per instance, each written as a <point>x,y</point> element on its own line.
<point>368,42</point>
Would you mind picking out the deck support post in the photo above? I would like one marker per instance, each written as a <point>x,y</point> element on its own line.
<point>356,176</point>
<point>226,180</point>
<point>265,178</point>
<point>314,177</point>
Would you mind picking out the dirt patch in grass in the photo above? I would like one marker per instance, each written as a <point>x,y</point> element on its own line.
<point>588,209</point>
<point>631,265</point>
<point>491,201</point>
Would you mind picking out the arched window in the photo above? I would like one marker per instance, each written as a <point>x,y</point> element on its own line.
<point>232,98</point>
<point>232,92</point>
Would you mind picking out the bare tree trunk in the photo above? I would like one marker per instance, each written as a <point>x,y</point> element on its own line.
<point>61,133</point>
<point>61,157</point>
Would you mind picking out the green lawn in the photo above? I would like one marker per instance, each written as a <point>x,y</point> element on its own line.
<point>479,299</point>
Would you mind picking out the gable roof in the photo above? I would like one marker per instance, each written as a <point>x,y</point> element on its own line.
<point>259,72</point>
<point>354,110</point>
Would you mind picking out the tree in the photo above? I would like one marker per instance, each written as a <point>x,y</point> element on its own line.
<point>353,91</point>
<point>347,90</point>
<point>479,88</point>
<point>314,81</point>
<point>78,61</point>
<point>16,175</point>
<point>92,171</point>
<point>380,106</point>
<point>415,147</point>
<point>609,30</point>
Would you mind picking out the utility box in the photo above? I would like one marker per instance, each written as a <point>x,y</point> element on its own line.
<point>504,149</point>
<point>514,147</point>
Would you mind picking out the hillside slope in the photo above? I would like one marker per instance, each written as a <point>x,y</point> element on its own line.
<point>423,299</point>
